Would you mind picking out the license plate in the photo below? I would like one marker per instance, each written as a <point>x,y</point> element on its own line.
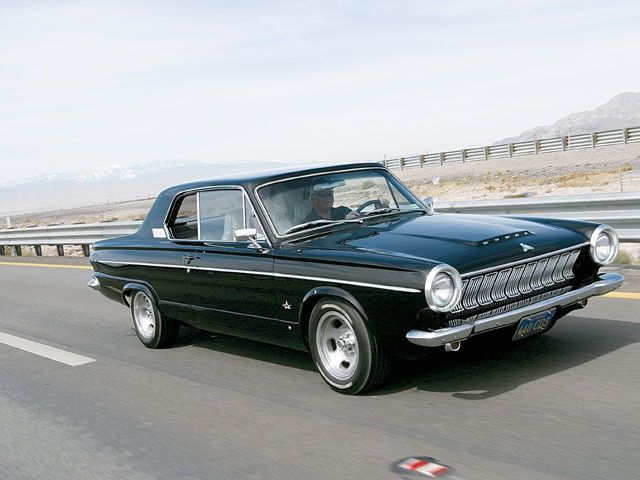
<point>534,324</point>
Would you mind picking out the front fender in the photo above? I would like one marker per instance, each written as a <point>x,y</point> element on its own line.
<point>313,296</point>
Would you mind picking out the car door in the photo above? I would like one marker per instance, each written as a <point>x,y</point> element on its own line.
<point>230,282</point>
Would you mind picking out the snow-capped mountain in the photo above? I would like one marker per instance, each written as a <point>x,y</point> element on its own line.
<point>621,111</point>
<point>53,191</point>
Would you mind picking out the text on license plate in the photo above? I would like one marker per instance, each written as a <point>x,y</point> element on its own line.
<point>533,324</point>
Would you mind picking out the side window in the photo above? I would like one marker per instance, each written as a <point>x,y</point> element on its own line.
<point>185,224</point>
<point>221,214</point>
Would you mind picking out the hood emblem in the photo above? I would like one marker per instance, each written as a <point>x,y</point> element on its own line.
<point>526,248</point>
<point>286,305</point>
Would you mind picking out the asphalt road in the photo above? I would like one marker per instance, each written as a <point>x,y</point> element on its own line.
<point>565,405</point>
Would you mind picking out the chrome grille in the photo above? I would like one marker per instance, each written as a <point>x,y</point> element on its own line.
<point>557,273</point>
<point>524,285</point>
<point>512,286</point>
<point>517,281</point>
<point>484,294</point>
<point>469,298</point>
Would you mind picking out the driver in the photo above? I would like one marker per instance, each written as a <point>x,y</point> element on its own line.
<point>322,202</point>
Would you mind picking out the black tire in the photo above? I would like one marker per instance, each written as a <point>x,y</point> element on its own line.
<point>144,312</point>
<point>343,348</point>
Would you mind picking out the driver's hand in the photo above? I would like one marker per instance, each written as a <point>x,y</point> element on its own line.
<point>351,215</point>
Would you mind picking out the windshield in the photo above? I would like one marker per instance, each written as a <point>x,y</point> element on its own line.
<point>309,202</point>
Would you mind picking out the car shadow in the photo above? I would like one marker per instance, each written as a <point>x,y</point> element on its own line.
<point>490,365</point>
<point>487,366</point>
<point>238,346</point>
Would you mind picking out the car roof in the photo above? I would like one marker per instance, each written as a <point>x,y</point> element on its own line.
<point>250,180</point>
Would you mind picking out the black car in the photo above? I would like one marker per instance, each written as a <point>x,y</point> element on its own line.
<point>346,262</point>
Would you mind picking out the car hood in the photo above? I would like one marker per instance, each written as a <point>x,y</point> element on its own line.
<point>466,242</point>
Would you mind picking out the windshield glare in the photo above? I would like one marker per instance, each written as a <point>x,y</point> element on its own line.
<point>333,196</point>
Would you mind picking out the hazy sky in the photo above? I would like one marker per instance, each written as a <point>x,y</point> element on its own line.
<point>95,83</point>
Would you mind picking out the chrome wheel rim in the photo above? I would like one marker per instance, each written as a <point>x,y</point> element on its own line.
<point>337,345</point>
<point>144,315</point>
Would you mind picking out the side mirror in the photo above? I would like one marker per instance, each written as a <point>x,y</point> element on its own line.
<point>244,234</point>
<point>428,202</point>
<point>249,234</point>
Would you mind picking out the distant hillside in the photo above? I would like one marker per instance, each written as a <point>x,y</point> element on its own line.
<point>621,111</point>
<point>113,184</point>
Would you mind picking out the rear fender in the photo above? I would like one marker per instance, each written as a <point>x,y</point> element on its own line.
<point>129,287</point>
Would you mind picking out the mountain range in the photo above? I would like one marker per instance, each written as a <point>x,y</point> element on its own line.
<point>621,111</point>
<point>56,191</point>
<point>115,184</point>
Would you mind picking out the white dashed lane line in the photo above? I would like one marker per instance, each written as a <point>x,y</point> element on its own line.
<point>56,354</point>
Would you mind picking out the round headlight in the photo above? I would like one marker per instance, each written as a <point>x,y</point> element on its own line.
<point>443,288</point>
<point>603,245</point>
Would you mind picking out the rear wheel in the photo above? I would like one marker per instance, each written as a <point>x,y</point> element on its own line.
<point>153,329</point>
<point>344,350</point>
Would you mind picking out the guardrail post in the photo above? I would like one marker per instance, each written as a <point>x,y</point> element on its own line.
<point>463,154</point>
<point>421,159</point>
<point>486,153</point>
<point>38,250</point>
<point>18,250</point>
<point>536,146</point>
<point>60,249</point>
<point>401,163</point>
<point>625,135</point>
<point>565,143</point>
<point>510,150</point>
<point>441,158</point>
<point>85,250</point>
<point>593,140</point>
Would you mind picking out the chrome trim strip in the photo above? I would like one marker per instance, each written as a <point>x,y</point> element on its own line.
<point>348,282</point>
<point>524,260</point>
<point>198,218</point>
<point>605,283</point>
<point>267,274</point>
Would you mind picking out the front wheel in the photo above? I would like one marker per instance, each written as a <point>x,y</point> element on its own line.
<point>344,350</point>
<point>153,329</point>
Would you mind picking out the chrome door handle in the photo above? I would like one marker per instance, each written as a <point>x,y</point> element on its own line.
<point>189,258</point>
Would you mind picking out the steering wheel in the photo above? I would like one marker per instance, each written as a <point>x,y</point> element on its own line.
<point>376,203</point>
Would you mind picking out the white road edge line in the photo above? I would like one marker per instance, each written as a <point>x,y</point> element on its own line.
<point>46,351</point>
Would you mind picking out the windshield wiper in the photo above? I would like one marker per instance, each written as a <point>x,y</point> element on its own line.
<point>312,224</point>
<point>387,210</point>
<point>378,211</point>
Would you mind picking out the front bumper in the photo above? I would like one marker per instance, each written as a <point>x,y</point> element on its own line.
<point>94,283</point>
<point>436,338</point>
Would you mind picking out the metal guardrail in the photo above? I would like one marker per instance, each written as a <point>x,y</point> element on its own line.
<point>619,210</point>
<point>622,136</point>
<point>61,235</point>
